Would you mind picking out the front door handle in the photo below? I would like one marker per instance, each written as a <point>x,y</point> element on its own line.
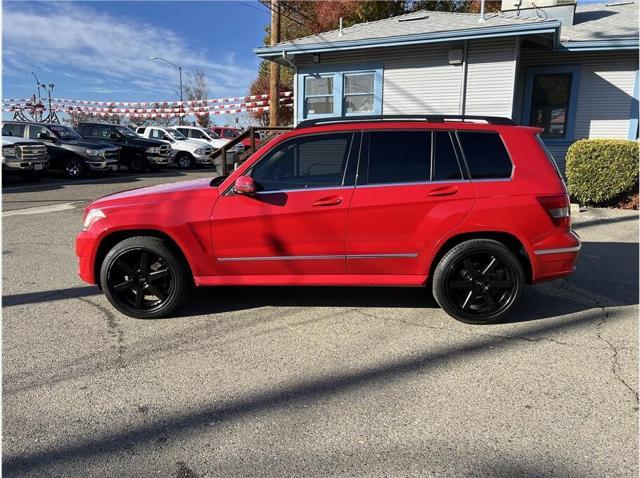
<point>444,191</point>
<point>329,201</point>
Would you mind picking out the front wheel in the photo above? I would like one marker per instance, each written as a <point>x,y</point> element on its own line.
<point>478,281</point>
<point>136,165</point>
<point>143,278</point>
<point>184,161</point>
<point>74,168</point>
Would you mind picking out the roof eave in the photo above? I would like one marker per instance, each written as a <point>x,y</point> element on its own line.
<point>551,26</point>
<point>599,45</point>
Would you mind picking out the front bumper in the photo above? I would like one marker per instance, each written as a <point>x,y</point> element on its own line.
<point>203,160</point>
<point>555,256</point>
<point>159,160</point>
<point>86,245</point>
<point>102,164</point>
<point>25,166</point>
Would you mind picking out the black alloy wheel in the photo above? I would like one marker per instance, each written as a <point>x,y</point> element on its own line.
<point>478,281</point>
<point>143,278</point>
<point>73,168</point>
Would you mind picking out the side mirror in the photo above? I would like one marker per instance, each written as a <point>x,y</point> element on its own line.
<point>113,135</point>
<point>45,137</point>
<point>245,185</point>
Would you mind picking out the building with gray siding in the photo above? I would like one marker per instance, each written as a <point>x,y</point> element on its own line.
<point>570,69</point>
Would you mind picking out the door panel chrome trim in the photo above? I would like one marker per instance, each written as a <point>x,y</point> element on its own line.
<point>383,256</point>
<point>561,250</point>
<point>320,257</point>
<point>282,258</point>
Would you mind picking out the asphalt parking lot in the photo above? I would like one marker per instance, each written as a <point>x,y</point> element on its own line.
<point>310,381</point>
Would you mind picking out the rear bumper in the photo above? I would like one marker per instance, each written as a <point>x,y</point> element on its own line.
<point>555,256</point>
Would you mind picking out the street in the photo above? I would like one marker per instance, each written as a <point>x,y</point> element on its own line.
<point>311,381</point>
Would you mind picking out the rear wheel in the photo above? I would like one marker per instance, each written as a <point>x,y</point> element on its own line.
<point>143,278</point>
<point>184,161</point>
<point>478,281</point>
<point>74,168</point>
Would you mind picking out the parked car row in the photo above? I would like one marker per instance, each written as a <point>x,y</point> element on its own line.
<point>29,149</point>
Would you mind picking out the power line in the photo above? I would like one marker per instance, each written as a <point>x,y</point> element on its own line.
<point>251,6</point>
<point>264,4</point>
<point>288,5</point>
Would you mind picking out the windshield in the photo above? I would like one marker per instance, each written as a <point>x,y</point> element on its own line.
<point>213,134</point>
<point>64,132</point>
<point>176,134</point>
<point>126,132</point>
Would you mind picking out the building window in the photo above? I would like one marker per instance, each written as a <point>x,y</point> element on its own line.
<point>339,91</point>
<point>550,104</point>
<point>551,101</point>
<point>359,92</point>
<point>318,95</point>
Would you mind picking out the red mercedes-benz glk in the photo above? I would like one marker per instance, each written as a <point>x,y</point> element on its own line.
<point>474,207</point>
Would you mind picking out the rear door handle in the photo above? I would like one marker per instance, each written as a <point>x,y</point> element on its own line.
<point>330,201</point>
<point>444,191</point>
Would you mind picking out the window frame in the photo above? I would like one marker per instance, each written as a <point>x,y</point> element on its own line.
<point>363,160</point>
<point>531,73</point>
<point>338,73</point>
<point>332,95</point>
<point>348,175</point>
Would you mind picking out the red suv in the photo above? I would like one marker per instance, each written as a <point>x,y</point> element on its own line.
<point>474,208</point>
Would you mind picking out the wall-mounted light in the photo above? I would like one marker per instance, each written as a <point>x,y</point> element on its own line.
<point>316,57</point>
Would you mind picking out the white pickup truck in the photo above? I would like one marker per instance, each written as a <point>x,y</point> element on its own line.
<point>185,152</point>
<point>24,156</point>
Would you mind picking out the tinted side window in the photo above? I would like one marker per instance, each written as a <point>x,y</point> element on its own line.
<point>88,131</point>
<point>302,163</point>
<point>184,131</point>
<point>13,130</point>
<point>196,134</point>
<point>34,131</point>
<point>104,132</point>
<point>399,156</point>
<point>486,155</point>
<point>445,161</point>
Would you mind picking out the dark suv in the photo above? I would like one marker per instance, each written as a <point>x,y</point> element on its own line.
<point>473,208</point>
<point>138,154</point>
<point>67,150</point>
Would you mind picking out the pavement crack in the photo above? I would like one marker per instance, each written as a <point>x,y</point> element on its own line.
<point>475,334</point>
<point>113,328</point>
<point>615,364</point>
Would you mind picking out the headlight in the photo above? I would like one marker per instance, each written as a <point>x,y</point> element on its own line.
<point>92,216</point>
<point>200,151</point>
<point>93,152</point>
<point>9,152</point>
<point>153,150</point>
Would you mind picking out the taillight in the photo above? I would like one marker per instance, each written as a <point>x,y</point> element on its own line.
<point>557,206</point>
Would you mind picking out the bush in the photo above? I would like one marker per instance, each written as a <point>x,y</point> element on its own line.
<point>602,171</point>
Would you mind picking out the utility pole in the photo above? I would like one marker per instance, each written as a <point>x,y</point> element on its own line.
<point>274,68</point>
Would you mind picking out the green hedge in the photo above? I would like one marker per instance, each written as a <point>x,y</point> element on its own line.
<point>602,171</point>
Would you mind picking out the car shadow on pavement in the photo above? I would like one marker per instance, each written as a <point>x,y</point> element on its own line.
<point>606,275</point>
<point>307,391</point>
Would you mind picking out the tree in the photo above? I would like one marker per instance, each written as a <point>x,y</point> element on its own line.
<point>197,89</point>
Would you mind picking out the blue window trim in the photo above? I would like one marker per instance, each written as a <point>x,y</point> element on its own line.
<point>575,71</point>
<point>633,122</point>
<point>338,73</point>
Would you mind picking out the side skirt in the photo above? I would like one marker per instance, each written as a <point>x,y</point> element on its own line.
<point>314,280</point>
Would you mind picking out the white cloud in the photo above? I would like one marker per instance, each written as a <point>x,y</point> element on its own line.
<point>75,41</point>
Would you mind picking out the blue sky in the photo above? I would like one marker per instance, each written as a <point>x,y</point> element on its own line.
<point>100,49</point>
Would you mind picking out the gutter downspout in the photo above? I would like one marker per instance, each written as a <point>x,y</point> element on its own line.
<point>463,83</point>
<point>287,60</point>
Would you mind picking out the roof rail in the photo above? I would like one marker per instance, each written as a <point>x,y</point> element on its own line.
<point>497,120</point>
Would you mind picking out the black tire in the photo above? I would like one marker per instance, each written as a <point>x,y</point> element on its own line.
<point>184,161</point>
<point>126,278</point>
<point>74,168</point>
<point>136,165</point>
<point>478,281</point>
